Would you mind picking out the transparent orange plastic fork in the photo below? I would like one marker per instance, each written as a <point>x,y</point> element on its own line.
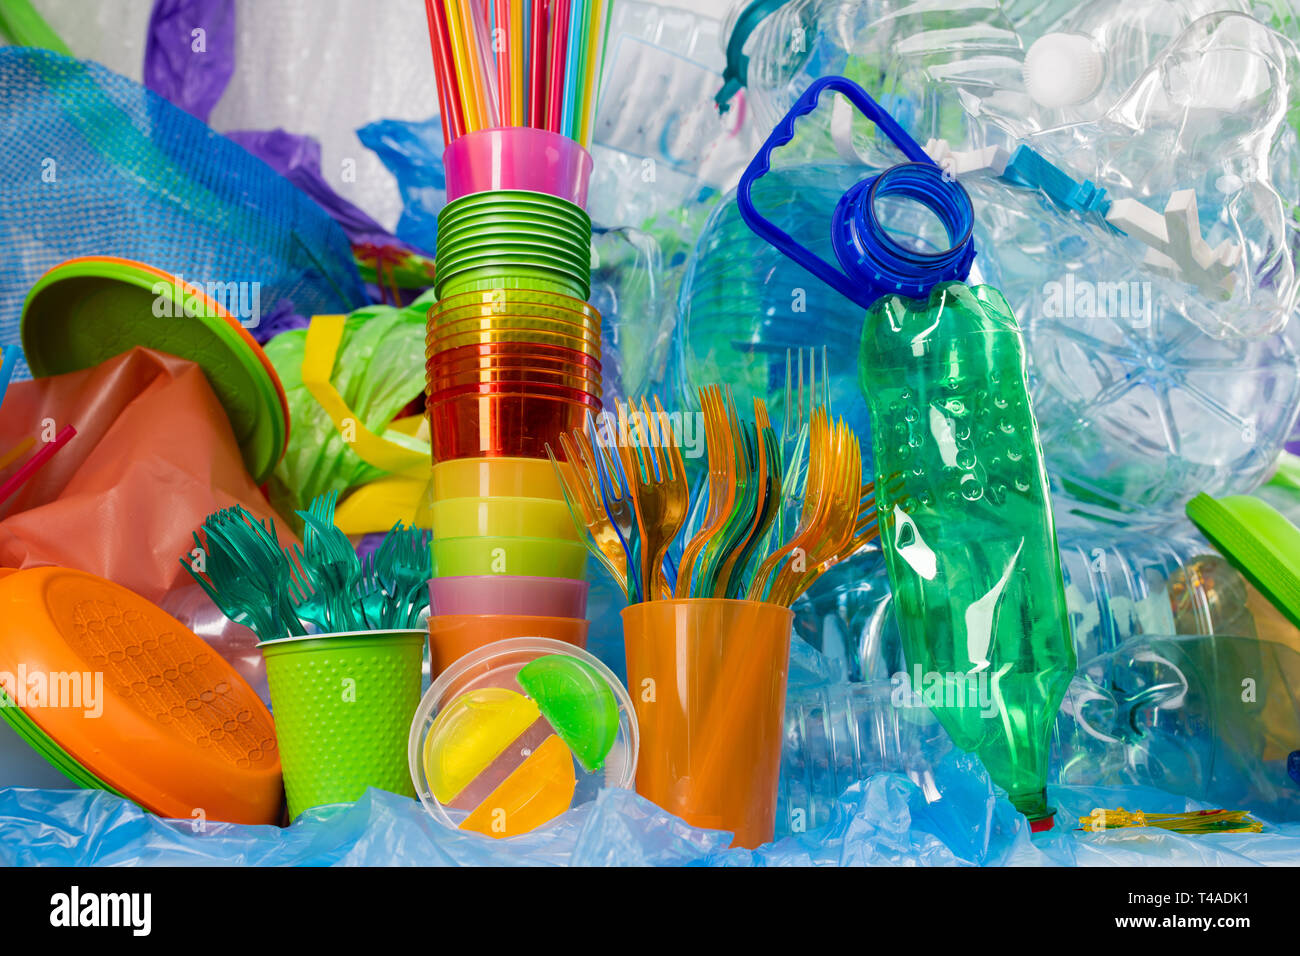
<point>720,444</point>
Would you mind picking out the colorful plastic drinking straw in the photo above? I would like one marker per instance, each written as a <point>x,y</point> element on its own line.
<point>587,116</point>
<point>33,464</point>
<point>555,66</point>
<point>537,64</point>
<point>481,37</point>
<point>442,106</point>
<point>573,68</point>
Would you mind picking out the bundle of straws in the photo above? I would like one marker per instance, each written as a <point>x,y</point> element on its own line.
<point>533,63</point>
<point>1193,821</point>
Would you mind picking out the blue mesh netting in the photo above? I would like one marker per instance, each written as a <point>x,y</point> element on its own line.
<point>92,163</point>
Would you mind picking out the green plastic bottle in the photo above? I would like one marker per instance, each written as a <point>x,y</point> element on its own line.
<point>966,527</point>
<point>961,492</point>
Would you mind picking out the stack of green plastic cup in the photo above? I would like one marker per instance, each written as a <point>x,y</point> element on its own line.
<point>514,240</point>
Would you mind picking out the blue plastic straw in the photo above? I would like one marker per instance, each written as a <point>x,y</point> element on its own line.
<point>7,364</point>
<point>574,68</point>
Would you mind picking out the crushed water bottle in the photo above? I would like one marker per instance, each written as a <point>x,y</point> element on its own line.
<point>1118,586</point>
<point>1155,295</point>
<point>1214,718</point>
<point>918,60</point>
<point>1176,136</point>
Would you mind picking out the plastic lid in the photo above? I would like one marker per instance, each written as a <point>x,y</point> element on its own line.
<point>517,732</point>
<point>1043,824</point>
<point>1063,69</point>
<point>1258,541</point>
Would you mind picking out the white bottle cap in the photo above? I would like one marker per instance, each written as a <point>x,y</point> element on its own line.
<point>1063,69</point>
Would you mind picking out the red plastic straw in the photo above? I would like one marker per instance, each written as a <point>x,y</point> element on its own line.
<point>555,66</point>
<point>442,107</point>
<point>502,41</point>
<point>537,65</point>
<point>444,63</point>
<point>33,464</point>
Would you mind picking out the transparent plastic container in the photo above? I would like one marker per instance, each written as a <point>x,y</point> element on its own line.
<point>744,307</point>
<point>1136,712</point>
<point>657,126</point>
<point>1085,61</point>
<point>514,734</point>
<point>1139,408</point>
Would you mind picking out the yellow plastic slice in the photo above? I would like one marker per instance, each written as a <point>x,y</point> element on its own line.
<point>470,734</point>
<point>540,790</point>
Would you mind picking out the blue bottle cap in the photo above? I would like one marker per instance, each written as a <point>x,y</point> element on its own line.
<point>872,263</point>
<point>875,260</point>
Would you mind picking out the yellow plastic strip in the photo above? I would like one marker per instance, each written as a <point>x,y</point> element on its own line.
<point>324,336</point>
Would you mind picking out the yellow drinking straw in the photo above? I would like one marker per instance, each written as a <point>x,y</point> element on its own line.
<point>13,454</point>
<point>458,25</point>
<point>518,43</point>
<point>596,29</point>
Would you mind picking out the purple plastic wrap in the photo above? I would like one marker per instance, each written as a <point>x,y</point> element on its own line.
<point>189,54</point>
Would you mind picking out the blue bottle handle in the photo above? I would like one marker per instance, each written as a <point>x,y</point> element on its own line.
<point>864,293</point>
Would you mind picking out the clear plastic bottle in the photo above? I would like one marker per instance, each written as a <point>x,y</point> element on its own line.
<point>1127,596</point>
<point>919,61</point>
<point>1083,64</point>
<point>656,127</point>
<point>1118,586</point>
<point>837,734</point>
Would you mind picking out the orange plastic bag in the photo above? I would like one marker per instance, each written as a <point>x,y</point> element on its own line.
<point>153,456</point>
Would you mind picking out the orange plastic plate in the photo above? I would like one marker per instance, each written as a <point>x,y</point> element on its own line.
<point>137,699</point>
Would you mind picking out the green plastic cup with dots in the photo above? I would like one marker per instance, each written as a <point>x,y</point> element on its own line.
<point>343,705</point>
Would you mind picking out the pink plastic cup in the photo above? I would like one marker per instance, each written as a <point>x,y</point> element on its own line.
<point>508,594</point>
<point>518,158</point>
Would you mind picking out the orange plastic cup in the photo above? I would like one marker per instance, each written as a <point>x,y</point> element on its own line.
<point>554,337</point>
<point>452,636</point>
<point>449,381</point>
<point>708,681</point>
<point>515,350</point>
<point>505,425</point>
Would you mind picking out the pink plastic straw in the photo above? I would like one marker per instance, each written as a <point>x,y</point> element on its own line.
<point>555,67</point>
<point>33,464</point>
